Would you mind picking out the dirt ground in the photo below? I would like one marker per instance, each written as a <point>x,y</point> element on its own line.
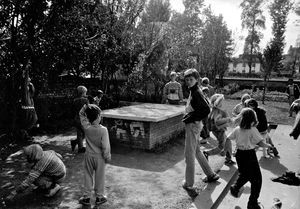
<point>135,179</point>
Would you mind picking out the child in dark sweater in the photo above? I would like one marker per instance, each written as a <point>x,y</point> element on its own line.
<point>262,126</point>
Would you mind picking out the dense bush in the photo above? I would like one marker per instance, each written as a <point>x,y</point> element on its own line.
<point>229,89</point>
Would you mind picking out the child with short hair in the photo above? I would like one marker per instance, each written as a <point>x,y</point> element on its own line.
<point>197,108</point>
<point>238,108</point>
<point>206,83</point>
<point>172,92</point>
<point>78,103</point>
<point>218,121</point>
<point>97,154</point>
<point>262,125</point>
<point>247,138</point>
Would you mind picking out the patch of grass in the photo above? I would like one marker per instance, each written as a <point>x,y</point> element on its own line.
<point>277,112</point>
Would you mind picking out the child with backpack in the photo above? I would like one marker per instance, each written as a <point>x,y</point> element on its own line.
<point>218,121</point>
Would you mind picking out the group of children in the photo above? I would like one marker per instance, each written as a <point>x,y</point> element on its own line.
<point>251,131</point>
<point>48,169</point>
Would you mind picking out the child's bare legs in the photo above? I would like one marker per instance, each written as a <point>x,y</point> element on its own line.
<point>265,138</point>
<point>224,144</point>
<point>220,135</point>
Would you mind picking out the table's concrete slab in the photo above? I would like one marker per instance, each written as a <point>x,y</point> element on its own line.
<point>289,151</point>
<point>145,112</point>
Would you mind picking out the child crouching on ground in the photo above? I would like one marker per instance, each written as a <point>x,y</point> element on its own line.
<point>97,154</point>
<point>262,125</point>
<point>47,172</point>
<point>218,121</point>
<point>247,137</point>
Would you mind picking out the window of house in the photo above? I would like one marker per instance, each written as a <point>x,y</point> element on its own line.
<point>244,64</point>
<point>253,64</point>
<point>243,71</point>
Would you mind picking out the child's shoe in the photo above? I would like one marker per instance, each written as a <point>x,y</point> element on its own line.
<point>234,192</point>
<point>229,162</point>
<point>100,200</point>
<point>255,205</point>
<point>192,191</point>
<point>85,201</point>
<point>275,151</point>
<point>210,179</point>
<point>53,191</point>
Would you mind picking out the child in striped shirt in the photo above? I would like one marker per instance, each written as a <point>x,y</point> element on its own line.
<point>47,172</point>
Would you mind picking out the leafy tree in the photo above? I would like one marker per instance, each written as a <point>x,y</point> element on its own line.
<point>216,46</point>
<point>253,20</point>
<point>279,10</point>
<point>22,50</point>
<point>184,36</point>
<point>150,42</point>
<point>268,62</point>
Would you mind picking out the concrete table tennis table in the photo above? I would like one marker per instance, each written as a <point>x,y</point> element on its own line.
<point>144,125</point>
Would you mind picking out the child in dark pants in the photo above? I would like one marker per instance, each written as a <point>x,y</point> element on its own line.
<point>247,137</point>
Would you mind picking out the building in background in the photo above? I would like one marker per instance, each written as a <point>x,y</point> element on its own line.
<point>240,65</point>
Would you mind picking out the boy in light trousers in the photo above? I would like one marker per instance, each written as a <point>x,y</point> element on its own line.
<point>97,154</point>
<point>197,108</point>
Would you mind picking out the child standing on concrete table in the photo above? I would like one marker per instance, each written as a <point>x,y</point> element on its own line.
<point>196,109</point>
<point>218,121</point>
<point>247,137</point>
<point>97,154</point>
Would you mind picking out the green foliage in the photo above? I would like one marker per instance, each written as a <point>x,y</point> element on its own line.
<point>216,46</point>
<point>150,41</point>
<point>279,11</point>
<point>253,20</point>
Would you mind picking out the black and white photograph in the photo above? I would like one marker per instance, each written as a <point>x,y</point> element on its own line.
<point>149,104</point>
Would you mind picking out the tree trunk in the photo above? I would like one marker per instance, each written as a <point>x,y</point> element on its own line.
<point>264,90</point>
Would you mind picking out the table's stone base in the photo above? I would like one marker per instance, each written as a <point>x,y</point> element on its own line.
<point>143,134</point>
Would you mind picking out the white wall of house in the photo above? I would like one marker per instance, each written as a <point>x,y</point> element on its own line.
<point>243,67</point>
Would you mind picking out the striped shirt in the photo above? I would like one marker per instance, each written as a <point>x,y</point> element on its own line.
<point>49,165</point>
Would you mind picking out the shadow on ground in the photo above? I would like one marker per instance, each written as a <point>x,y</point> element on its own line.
<point>135,179</point>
